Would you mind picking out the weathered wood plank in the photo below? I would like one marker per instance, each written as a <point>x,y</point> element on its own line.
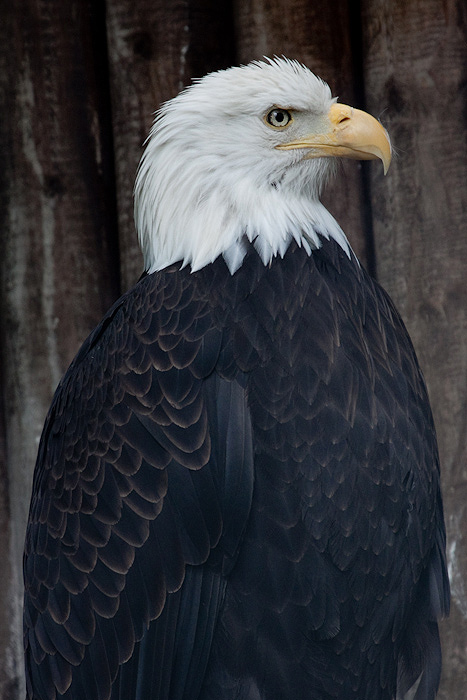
<point>10,640</point>
<point>416,68</point>
<point>321,35</point>
<point>58,258</point>
<point>155,49</point>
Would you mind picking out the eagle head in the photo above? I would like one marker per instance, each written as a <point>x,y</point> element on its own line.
<point>242,154</point>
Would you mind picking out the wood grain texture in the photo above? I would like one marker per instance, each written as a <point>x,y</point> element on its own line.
<point>416,69</point>
<point>155,49</point>
<point>10,646</point>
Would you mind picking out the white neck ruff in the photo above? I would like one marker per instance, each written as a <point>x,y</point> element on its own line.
<point>183,217</point>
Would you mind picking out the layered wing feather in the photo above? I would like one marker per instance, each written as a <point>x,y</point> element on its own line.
<point>132,487</point>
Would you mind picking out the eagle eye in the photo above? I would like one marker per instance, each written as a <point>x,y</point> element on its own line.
<point>278,117</point>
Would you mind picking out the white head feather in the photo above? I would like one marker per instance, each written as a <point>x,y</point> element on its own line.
<point>211,173</point>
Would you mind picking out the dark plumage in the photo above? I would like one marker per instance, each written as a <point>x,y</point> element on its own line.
<point>237,495</point>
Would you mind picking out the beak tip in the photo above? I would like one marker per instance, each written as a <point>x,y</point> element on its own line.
<point>386,160</point>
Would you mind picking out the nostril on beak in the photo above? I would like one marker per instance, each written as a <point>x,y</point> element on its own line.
<point>340,113</point>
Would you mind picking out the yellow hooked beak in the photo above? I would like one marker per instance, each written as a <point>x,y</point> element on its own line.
<point>352,134</point>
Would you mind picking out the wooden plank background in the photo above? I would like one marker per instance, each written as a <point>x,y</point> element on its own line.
<point>79,81</point>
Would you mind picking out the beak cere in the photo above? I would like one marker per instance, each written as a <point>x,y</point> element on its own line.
<point>352,134</point>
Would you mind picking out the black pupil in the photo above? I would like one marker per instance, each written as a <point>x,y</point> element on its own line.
<point>278,117</point>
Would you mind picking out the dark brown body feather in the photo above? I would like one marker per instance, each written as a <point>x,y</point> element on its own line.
<point>237,496</point>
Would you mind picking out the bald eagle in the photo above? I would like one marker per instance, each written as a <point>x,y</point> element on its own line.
<point>236,494</point>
